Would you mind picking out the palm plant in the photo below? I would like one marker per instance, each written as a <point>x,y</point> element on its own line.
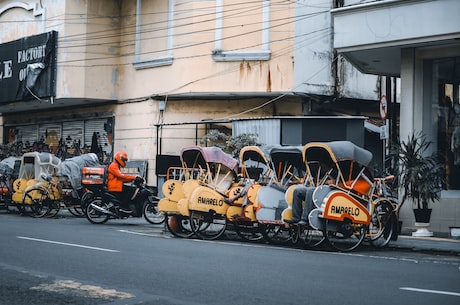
<point>421,176</point>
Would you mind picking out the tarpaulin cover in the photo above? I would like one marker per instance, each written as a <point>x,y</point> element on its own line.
<point>71,168</point>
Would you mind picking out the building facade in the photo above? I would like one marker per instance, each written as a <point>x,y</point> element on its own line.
<point>122,68</point>
<point>417,41</point>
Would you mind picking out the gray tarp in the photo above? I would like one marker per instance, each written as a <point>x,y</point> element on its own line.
<point>7,166</point>
<point>71,168</point>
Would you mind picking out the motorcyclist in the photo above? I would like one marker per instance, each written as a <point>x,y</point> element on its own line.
<point>116,180</point>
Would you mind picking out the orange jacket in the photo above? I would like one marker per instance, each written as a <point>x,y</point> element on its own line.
<point>115,178</point>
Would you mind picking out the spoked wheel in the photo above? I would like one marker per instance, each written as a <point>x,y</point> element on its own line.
<point>308,238</point>
<point>94,213</point>
<point>76,211</point>
<point>381,226</point>
<point>179,226</point>
<point>35,203</point>
<point>54,208</point>
<point>344,235</point>
<point>276,234</point>
<point>207,226</point>
<point>248,230</point>
<point>152,214</point>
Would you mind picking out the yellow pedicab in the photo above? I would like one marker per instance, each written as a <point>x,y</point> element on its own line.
<point>180,182</point>
<point>205,205</point>
<point>255,173</point>
<point>37,188</point>
<point>342,180</point>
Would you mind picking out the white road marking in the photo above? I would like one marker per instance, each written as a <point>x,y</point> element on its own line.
<point>66,244</point>
<point>457,294</point>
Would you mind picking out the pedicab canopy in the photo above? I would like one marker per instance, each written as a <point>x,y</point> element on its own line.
<point>34,164</point>
<point>350,160</point>
<point>287,162</point>
<point>201,157</point>
<point>254,161</point>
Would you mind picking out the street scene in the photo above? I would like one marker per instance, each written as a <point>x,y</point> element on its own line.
<point>229,152</point>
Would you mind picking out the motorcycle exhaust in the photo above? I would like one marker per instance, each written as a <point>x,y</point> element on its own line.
<point>101,209</point>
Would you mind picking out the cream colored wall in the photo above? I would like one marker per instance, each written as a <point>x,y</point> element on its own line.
<point>88,49</point>
<point>193,68</point>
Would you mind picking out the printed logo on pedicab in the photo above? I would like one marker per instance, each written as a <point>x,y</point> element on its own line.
<point>210,201</point>
<point>340,204</point>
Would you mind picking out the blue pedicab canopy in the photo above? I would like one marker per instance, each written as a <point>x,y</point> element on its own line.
<point>197,156</point>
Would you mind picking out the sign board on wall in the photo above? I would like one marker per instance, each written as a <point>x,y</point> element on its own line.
<point>28,68</point>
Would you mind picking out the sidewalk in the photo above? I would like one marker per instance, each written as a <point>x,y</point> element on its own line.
<point>434,244</point>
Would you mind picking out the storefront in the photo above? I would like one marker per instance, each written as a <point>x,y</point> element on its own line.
<point>63,138</point>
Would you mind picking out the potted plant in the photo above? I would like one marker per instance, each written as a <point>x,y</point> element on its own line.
<point>421,178</point>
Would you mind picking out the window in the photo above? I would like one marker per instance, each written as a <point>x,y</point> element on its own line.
<point>242,31</point>
<point>446,75</point>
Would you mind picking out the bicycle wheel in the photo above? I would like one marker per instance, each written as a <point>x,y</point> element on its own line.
<point>34,203</point>
<point>152,214</point>
<point>207,226</point>
<point>276,234</point>
<point>344,235</point>
<point>54,208</point>
<point>248,230</point>
<point>381,226</point>
<point>179,226</point>
<point>309,238</point>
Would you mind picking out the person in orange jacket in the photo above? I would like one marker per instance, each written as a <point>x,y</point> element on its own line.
<point>116,180</point>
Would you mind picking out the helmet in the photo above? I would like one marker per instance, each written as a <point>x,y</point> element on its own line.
<point>121,157</point>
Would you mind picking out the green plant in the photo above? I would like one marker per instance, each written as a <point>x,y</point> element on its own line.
<point>227,143</point>
<point>421,176</point>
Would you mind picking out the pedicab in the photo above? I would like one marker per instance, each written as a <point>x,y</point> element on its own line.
<point>202,199</point>
<point>255,173</point>
<point>343,198</point>
<point>74,193</point>
<point>37,186</point>
<point>8,174</point>
<point>180,182</point>
<point>285,168</point>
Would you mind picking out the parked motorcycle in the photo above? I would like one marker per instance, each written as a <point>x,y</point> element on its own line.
<point>143,202</point>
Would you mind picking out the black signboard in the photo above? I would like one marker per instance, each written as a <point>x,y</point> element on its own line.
<point>28,68</point>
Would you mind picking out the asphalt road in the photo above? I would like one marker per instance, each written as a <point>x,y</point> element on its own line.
<point>67,260</point>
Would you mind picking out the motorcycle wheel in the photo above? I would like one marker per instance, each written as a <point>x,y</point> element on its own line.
<point>95,216</point>
<point>152,214</point>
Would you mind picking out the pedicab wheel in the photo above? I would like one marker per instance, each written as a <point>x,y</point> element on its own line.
<point>179,226</point>
<point>248,230</point>
<point>54,208</point>
<point>207,226</point>
<point>76,211</point>
<point>34,203</point>
<point>276,234</point>
<point>382,224</point>
<point>346,235</point>
<point>93,214</point>
<point>152,214</point>
<point>309,238</point>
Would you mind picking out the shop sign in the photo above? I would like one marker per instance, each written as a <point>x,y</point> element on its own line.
<point>28,68</point>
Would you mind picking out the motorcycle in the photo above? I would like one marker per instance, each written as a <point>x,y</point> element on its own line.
<point>143,202</point>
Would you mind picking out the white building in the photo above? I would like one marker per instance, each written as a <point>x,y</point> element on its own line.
<point>418,41</point>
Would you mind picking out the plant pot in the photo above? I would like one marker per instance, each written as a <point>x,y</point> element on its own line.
<point>422,222</point>
<point>422,215</point>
